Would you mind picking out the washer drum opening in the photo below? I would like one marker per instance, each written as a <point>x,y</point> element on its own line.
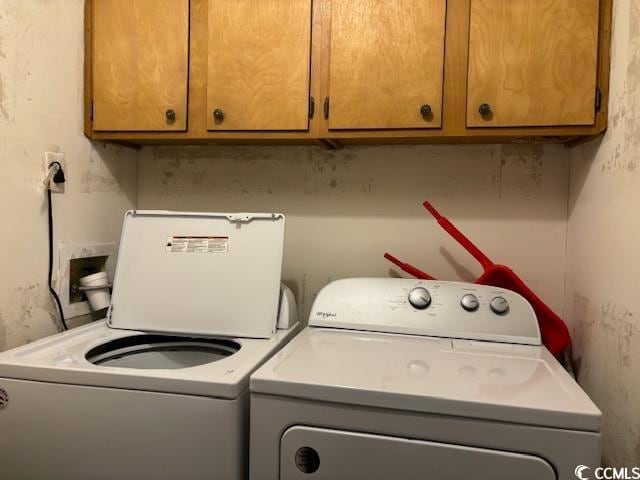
<point>150,351</point>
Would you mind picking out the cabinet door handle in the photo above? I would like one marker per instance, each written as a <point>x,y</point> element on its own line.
<point>484,109</point>
<point>425,110</point>
<point>170,114</point>
<point>218,114</point>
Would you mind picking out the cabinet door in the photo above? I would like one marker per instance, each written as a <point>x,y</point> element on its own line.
<point>532,63</point>
<point>386,64</point>
<point>258,65</point>
<point>140,62</point>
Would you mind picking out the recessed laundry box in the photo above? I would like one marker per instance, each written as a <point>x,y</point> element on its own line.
<point>160,389</point>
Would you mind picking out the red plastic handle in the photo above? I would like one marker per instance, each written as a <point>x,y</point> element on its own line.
<point>451,229</point>
<point>407,267</point>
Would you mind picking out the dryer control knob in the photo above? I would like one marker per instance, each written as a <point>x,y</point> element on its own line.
<point>469,302</point>
<point>419,298</point>
<point>499,305</point>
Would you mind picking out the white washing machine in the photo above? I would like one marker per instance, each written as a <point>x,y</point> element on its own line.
<point>159,390</point>
<point>409,379</point>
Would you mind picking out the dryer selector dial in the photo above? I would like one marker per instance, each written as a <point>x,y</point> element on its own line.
<point>420,298</point>
<point>499,305</point>
<point>470,302</point>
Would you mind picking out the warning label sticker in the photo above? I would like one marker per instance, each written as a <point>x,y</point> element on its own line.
<point>189,244</point>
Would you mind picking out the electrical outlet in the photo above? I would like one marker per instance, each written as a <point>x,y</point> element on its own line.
<point>48,159</point>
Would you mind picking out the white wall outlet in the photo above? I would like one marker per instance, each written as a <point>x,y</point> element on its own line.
<point>48,159</point>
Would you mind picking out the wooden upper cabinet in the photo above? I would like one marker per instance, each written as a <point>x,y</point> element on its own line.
<point>259,55</point>
<point>140,61</point>
<point>532,63</point>
<point>386,64</point>
<point>234,71</point>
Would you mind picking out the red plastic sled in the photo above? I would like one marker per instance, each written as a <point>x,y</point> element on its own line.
<point>555,334</point>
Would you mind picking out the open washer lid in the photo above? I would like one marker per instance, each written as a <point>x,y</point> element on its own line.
<point>198,273</point>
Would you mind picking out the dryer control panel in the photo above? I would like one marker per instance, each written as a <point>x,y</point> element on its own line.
<point>426,307</point>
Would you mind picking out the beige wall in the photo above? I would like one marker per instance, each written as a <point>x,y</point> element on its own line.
<point>41,48</point>
<point>603,262</point>
<point>345,208</point>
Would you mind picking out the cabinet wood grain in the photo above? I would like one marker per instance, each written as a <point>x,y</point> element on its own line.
<point>532,62</point>
<point>140,64</point>
<point>259,54</point>
<point>396,74</point>
<point>386,62</point>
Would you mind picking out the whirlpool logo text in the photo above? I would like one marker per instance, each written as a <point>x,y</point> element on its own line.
<point>607,473</point>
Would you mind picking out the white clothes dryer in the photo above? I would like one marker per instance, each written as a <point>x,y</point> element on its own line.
<point>411,379</point>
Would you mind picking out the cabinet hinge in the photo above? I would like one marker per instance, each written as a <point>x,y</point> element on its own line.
<point>326,108</point>
<point>312,106</point>
<point>598,99</point>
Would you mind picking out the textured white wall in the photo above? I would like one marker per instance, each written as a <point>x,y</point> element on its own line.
<point>41,58</point>
<point>345,208</point>
<point>603,262</point>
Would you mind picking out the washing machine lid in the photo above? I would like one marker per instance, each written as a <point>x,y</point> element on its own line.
<point>520,384</point>
<point>205,274</point>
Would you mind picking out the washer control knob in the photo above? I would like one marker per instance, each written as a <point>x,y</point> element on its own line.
<point>469,302</point>
<point>419,298</point>
<point>499,305</point>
